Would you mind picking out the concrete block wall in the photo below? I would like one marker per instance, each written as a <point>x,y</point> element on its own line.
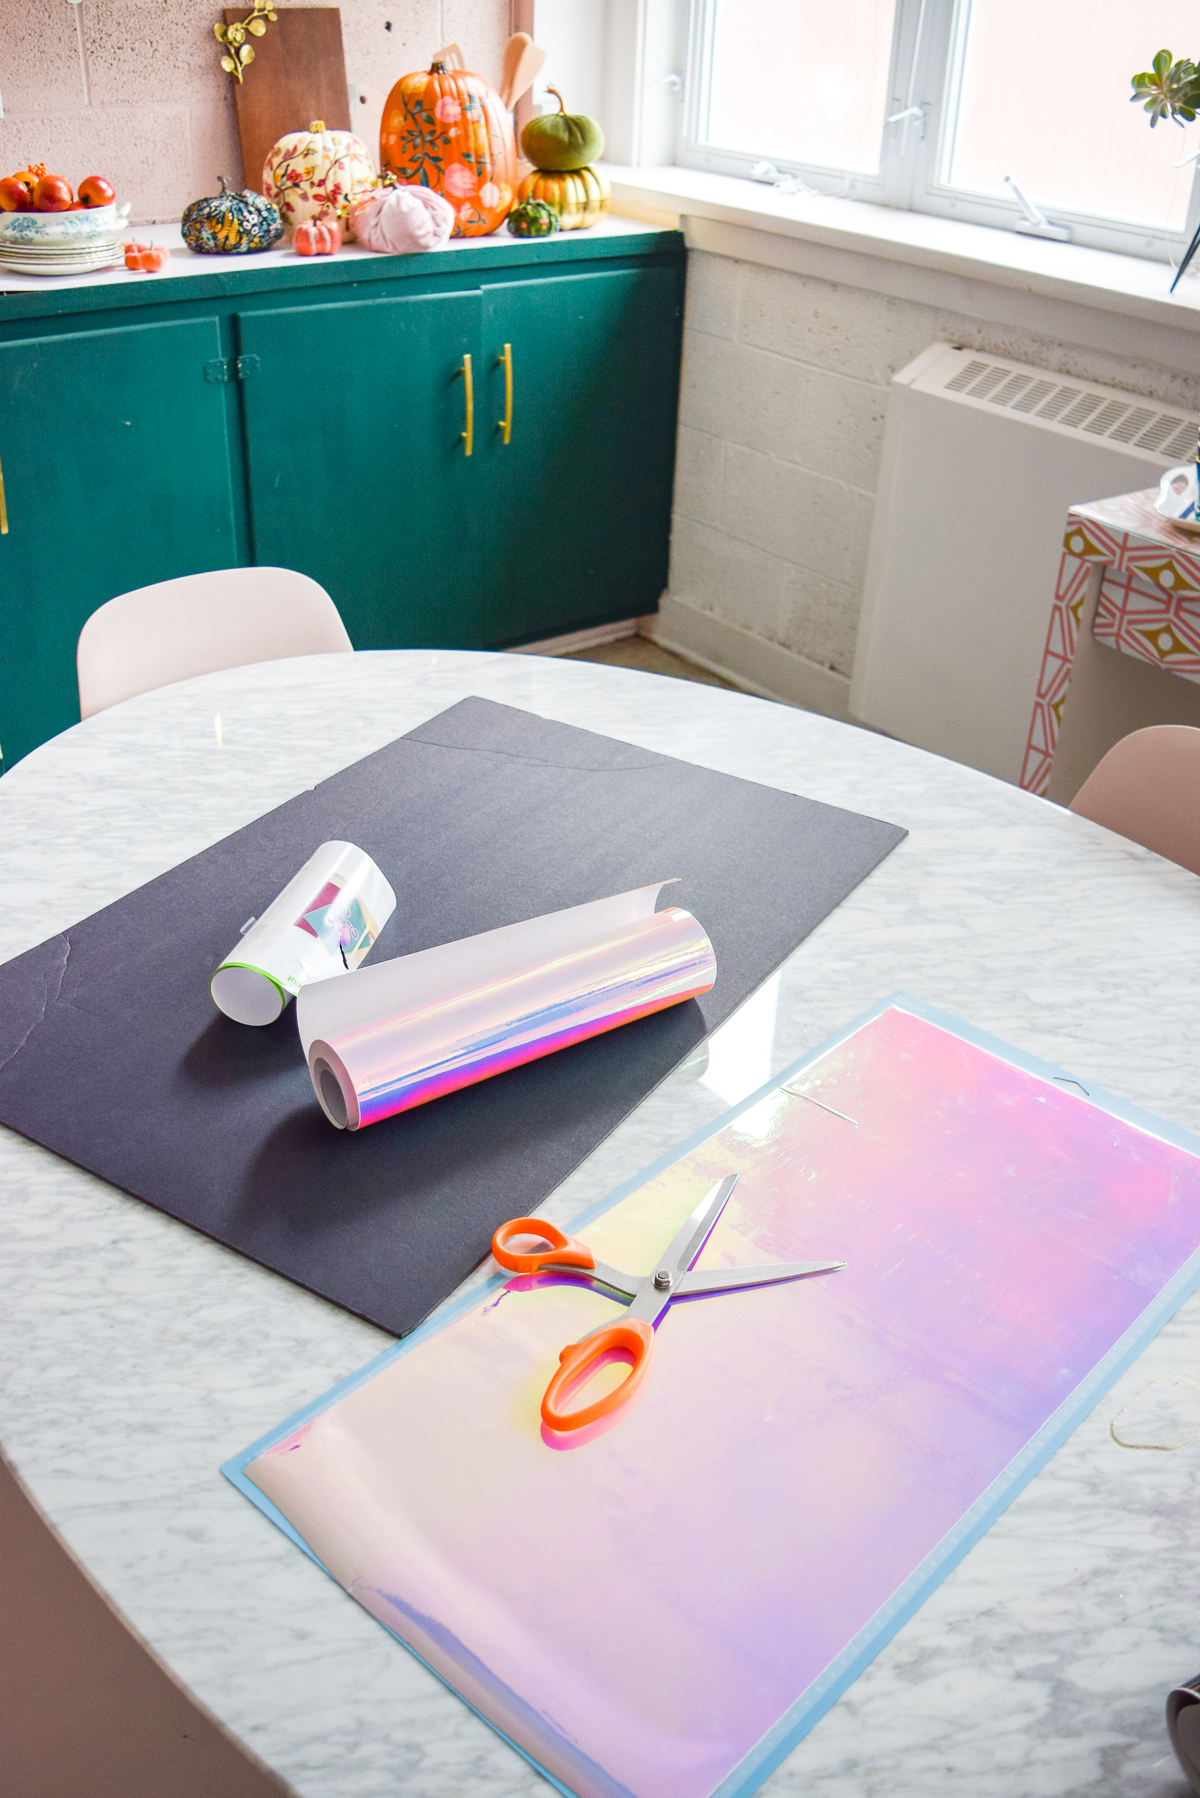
<point>785,383</point>
<point>134,89</point>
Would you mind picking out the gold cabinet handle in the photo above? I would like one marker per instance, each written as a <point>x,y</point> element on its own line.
<point>505,424</point>
<point>468,436</point>
<point>3,508</point>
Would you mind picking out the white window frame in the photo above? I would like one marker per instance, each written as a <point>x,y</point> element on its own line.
<point>927,48</point>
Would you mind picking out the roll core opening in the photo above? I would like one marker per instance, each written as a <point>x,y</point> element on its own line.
<point>329,1092</point>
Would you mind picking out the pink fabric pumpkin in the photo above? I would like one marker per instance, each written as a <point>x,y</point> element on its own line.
<point>317,237</point>
<point>402,219</point>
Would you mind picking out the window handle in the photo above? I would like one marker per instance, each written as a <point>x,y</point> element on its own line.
<point>918,113</point>
<point>3,507</point>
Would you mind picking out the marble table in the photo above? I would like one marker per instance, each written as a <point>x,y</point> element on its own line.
<point>136,1356</point>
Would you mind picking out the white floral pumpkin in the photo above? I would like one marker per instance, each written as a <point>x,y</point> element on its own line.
<point>318,174</point>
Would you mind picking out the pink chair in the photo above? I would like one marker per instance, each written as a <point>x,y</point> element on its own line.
<point>1147,788</point>
<point>198,624</point>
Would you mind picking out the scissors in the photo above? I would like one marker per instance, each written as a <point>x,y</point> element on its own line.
<point>648,1296</point>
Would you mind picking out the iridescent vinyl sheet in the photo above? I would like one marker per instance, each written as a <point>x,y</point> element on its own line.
<point>402,1032</point>
<point>662,1610</point>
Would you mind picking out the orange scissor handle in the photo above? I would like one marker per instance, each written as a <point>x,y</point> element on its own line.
<point>575,1362</point>
<point>564,1251</point>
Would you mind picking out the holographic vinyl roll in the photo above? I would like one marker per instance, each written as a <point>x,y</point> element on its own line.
<point>397,1034</point>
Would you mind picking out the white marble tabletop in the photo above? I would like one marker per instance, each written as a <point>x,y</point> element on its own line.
<point>135,1356</point>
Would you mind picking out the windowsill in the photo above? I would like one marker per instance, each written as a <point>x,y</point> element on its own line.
<point>1098,279</point>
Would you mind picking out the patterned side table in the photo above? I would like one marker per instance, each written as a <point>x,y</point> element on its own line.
<point>1148,574</point>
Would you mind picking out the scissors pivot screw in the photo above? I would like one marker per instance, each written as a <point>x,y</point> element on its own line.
<point>662,1279</point>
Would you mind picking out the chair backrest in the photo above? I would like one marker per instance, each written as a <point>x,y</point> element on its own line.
<point>198,624</point>
<point>1147,788</point>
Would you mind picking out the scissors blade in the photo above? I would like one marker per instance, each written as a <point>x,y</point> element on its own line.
<point>659,1288</point>
<point>728,1279</point>
<point>689,1241</point>
<point>628,1285</point>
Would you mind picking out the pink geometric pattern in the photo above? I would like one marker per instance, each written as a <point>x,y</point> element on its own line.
<point>1148,606</point>
<point>1075,581</point>
<point>1137,619</point>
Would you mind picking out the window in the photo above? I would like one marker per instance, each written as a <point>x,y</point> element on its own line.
<point>944,105</point>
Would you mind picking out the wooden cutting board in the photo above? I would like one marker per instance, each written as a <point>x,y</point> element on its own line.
<point>298,75</point>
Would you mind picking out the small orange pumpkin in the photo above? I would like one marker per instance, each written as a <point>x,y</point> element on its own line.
<point>449,130</point>
<point>317,237</point>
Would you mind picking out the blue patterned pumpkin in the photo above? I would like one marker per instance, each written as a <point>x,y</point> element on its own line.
<point>231,224</point>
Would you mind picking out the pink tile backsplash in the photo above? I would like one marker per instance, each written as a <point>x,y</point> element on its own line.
<point>133,89</point>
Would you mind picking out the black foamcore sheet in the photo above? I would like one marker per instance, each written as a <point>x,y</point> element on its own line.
<point>113,1055</point>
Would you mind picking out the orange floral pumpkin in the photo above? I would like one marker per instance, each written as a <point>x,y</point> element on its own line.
<point>448,130</point>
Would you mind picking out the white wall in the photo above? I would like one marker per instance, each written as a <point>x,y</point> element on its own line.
<point>571,32</point>
<point>614,59</point>
<point>785,381</point>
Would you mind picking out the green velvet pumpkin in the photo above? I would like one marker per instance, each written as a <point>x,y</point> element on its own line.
<point>533,219</point>
<point>231,224</point>
<point>562,140</point>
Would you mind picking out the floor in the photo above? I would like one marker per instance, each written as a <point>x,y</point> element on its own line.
<point>639,652</point>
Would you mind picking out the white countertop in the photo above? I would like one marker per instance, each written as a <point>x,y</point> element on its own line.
<point>137,1356</point>
<point>187,262</point>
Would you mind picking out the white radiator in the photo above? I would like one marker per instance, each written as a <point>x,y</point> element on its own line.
<point>981,458</point>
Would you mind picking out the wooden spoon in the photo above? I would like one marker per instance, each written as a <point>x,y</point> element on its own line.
<point>522,61</point>
<point>512,56</point>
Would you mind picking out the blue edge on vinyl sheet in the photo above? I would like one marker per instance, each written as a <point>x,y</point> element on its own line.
<point>842,1672</point>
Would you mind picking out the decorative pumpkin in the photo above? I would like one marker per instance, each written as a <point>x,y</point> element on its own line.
<point>448,130</point>
<point>399,220</point>
<point>317,237</point>
<point>317,174</point>
<point>562,139</point>
<point>231,224</point>
<point>533,218</point>
<point>579,196</point>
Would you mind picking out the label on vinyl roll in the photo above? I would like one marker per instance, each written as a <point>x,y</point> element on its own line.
<point>324,922</point>
<point>401,1032</point>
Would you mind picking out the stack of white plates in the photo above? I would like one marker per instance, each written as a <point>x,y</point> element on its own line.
<point>62,243</point>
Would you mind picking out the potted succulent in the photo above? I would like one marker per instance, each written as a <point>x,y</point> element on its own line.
<point>1170,89</point>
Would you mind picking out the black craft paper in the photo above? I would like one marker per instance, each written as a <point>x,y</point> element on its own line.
<point>113,1054</point>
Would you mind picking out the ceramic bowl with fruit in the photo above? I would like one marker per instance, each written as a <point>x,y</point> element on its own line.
<point>46,228</point>
<point>40,209</point>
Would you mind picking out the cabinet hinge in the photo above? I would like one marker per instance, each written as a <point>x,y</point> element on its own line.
<point>216,371</point>
<point>247,366</point>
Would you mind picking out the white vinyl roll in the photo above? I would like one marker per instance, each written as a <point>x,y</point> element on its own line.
<point>323,923</point>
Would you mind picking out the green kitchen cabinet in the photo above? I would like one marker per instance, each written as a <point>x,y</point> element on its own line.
<point>313,414</point>
<point>359,471</point>
<point>579,492</point>
<point>357,476</point>
<point>114,456</point>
